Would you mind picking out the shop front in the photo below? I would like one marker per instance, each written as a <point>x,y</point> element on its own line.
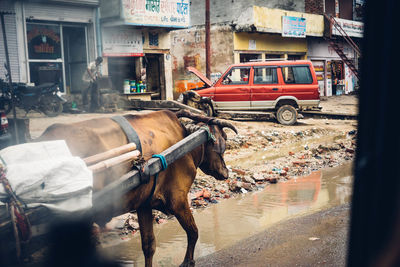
<point>135,60</point>
<point>59,42</point>
<point>334,77</point>
<point>136,44</point>
<point>57,53</point>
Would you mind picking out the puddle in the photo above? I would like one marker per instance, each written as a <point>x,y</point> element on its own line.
<point>231,220</point>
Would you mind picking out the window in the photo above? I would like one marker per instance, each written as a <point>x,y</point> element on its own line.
<point>239,75</point>
<point>249,57</point>
<point>44,41</point>
<point>265,75</point>
<point>297,75</point>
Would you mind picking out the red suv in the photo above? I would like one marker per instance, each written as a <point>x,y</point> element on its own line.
<point>282,87</point>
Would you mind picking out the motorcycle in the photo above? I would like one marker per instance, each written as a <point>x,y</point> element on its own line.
<point>45,98</point>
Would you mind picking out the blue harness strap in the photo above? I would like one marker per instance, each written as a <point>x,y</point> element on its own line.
<point>129,131</point>
<point>164,165</point>
<point>163,160</point>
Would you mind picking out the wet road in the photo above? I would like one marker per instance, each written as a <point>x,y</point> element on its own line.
<point>311,240</point>
<point>304,216</point>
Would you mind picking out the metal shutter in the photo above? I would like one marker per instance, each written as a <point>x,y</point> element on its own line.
<point>57,12</point>
<point>11,32</point>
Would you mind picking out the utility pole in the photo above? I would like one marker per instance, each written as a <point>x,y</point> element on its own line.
<point>3,27</point>
<point>208,47</point>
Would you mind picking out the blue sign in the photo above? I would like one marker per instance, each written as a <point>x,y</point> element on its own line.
<point>293,27</point>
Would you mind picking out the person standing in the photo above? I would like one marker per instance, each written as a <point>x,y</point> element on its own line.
<point>90,80</point>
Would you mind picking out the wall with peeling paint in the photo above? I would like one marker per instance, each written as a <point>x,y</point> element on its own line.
<point>314,23</point>
<point>188,50</point>
<point>163,39</point>
<point>229,11</point>
<point>269,42</point>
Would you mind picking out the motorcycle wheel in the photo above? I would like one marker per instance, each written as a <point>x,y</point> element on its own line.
<point>51,106</point>
<point>5,105</point>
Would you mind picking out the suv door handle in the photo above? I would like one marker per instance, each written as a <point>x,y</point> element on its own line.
<point>274,89</point>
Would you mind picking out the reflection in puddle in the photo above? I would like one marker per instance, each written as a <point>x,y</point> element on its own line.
<point>231,220</point>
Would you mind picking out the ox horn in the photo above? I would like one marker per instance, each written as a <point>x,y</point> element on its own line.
<point>224,124</point>
<point>201,118</point>
<point>195,117</point>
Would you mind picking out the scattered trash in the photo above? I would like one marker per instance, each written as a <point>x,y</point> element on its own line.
<point>300,154</point>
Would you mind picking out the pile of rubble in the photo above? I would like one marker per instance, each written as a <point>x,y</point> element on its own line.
<point>313,149</point>
<point>206,190</point>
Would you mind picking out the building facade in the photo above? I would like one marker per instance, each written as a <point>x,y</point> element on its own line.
<point>136,42</point>
<point>259,30</point>
<point>334,76</point>
<point>50,41</point>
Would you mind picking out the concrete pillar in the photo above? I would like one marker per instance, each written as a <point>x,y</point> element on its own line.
<point>104,66</point>
<point>169,94</point>
<point>21,41</point>
<point>236,57</point>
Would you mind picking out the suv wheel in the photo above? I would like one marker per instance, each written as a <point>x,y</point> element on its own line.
<point>286,115</point>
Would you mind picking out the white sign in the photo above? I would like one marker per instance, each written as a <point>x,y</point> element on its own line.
<point>351,27</point>
<point>252,45</point>
<point>122,42</point>
<point>159,13</point>
<point>293,27</point>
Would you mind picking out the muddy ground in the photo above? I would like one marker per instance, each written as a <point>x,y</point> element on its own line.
<point>318,239</point>
<point>263,152</point>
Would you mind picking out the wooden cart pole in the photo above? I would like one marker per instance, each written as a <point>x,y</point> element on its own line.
<point>113,192</point>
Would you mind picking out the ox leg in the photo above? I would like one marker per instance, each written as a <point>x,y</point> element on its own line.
<point>187,222</point>
<point>145,218</point>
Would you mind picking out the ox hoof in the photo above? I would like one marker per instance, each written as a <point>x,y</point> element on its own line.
<point>187,264</point>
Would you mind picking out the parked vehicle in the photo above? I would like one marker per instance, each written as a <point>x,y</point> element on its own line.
<point>5,135</point>
<point>281,87</point>
<point>45,98</point>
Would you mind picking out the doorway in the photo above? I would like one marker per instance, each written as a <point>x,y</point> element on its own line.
<point>337,69</point>
<point>155,81</point>
<point>57,53</point>
<point>75,57</point>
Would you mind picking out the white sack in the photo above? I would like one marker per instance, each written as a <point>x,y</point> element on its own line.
<point>45,173</point>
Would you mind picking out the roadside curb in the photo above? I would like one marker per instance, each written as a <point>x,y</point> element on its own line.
<point>318,114</point>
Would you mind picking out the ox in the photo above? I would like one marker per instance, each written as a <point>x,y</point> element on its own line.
<point>157,131</point>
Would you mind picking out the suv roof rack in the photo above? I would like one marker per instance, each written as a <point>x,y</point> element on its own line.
<point>268,59</point>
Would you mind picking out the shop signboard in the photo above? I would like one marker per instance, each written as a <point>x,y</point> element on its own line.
<point>44,41</point>
<point>122,42</point>
<point>159,13</point>
<point>293,27</point>
<point>351,27</point>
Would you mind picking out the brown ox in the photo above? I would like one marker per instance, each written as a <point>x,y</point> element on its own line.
<point>157,131</point>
